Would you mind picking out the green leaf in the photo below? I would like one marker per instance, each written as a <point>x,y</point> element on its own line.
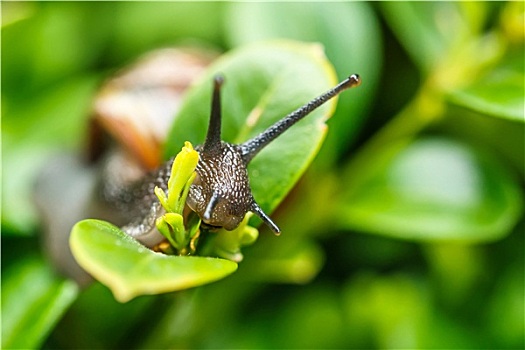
<point>263,83</point>
<point>33,301</point>
<point>130,269</point>
<point>432,189</point>
<point>227,244</point>
<point>498,93</point>
<point>171,226</point>
<point>339,27</point>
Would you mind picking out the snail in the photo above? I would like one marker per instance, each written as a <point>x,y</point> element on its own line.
<point>220,193</point>
<point>116,181</point>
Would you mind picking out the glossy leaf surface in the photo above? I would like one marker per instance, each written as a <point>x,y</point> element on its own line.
<point>433,189</point>
<point>263,83</point>
<point>130,269</point>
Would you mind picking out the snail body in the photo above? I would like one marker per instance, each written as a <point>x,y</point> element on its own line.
<point>221,193</point>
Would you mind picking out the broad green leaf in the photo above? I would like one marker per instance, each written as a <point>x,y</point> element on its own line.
<point>263,83</point>
<point>341,28</point>
<point>432,189</point>
<point>129,269</point>
<point>33,300</point>
<point>500,96</point>
<point>499,93</point>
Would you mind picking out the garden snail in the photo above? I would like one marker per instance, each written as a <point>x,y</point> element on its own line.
<point>116,181</point>
<point>221,193</point>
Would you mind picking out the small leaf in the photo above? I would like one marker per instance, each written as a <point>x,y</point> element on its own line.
<point>33,301</point>
<point>227,244</point>
<point>263,83</point>
<point>171,226</point>
<point>432,189</point>
<point>129,269</point>
<point>163,199</point>
<point>181,172</point>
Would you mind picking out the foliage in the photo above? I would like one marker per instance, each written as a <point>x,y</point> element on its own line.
<point>406,231</point>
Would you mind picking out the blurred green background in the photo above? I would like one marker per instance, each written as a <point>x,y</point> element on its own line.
<point>407,231</point>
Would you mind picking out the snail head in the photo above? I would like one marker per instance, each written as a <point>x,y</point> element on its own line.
<point>221,193</point>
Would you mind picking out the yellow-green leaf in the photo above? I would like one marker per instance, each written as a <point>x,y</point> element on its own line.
<point>130,269</point>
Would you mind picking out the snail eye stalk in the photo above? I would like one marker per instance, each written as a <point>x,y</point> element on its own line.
<point>265,218</point>
<point>253,146</point>
<point>213,138</point>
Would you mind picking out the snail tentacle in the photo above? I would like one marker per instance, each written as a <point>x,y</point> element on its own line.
<point>253,146</point>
